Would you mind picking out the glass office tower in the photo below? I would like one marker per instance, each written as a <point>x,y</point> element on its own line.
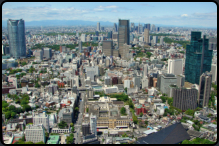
<point>123,35</point>
<point>198,58</point>
<point>17,43</point>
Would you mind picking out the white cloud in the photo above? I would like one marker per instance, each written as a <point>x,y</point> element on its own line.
<point>184,15</point>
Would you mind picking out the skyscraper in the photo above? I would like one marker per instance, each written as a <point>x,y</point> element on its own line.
<point>153,28</point>
<point>175,66</point>
<point>123,35</point>
<point>83,37</point>
<point>98,26</point>
<point>109,35</point>
<point>132,27</point>
<point>146,35</point>
<point>93,124</point>
<point>155,39</point>
<point>204,89</point>
<point>108,48</point>
<point>17,43</point>
<point>79,46</point>
<point>198,58</point>
<point>115,27</point>
<point>148,26</point>
<point>161,40</point>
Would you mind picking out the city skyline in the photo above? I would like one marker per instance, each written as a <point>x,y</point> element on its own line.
<point>202,14</point>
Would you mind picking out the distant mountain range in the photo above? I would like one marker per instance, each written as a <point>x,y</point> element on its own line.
<point>86,23</point>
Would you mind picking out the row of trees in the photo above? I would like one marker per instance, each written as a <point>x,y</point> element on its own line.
<point>13,71</point>
<point>169,41</point>
<point>198,141</point>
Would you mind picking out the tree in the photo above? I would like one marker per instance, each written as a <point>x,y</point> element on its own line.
<point>141,114</point>
<point>76,109</point>
<point>126,89</point>
<point>29,142</point>
<point>146,122</point>
<point>72,129</point>
<point>124,135</point>
<point>71,124</point>
<point>123,111</point>
<point>190,112</point>
<point>41,142</point>
<point>46,134</point>
<point>4,104</point>
<point>13,114</point>
<point>26,108</point>
<point>23,138</point>
<point>8,114</point>
<point>87,109</point>
<point>70,139</point>
<point>62,124</point>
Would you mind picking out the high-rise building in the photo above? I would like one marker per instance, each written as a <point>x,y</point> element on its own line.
<point>47,53</point>
<point>146,35</point>
<point>115,27</point>
<point>83,37</point>
<point>125,52</point>
<point>93,124</point>
<point>184,99</point>
<point>108,48</point>
<point>85,129</point>
<point>158,29</point>
<point>198,58</point>
<point>137,81</point>
<point>145,73</point>
<point>79,46</point>
<point>123,34</point>
<point>132,27</point>
<point>153,28</point>
<point>145,82</point>
<point>148,26</point>
<point>175,66</point>
<point>96,33</point>
<point>17,43</point>
<point>155,39</point>
<point>204,89</point>
<point>166,80</point>
<point>98,26</point>
<point>109,35</point>
<point>161,40</point>
<point>102,28</point>
<point>131,37</point>
<point>214,73</point>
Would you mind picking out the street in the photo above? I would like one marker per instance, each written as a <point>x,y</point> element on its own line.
<point>78,124</point>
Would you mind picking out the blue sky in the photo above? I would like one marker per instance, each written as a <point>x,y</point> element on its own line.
<point>171,13</point>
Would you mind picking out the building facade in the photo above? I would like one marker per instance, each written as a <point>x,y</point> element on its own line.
<point>204,89</point>
<point>175,66</point>
<point>185,99</point>
<point>35,133</point>
<point>93,124</point>
<point>108,48</point>
<point>41,119</point>
<point>123,35</point>
<point>146,35</point>
<point>17,42</point>
<point>165,81</point>
<point>198,58</point>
